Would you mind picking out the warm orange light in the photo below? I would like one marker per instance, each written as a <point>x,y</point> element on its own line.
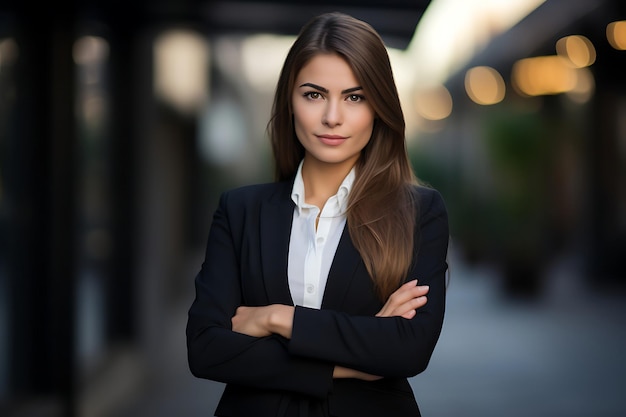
<point>616,34</point>
<point>585,86</point>
<point>543,76</point>
<point>434,103</point>
<point>577,49</point>
<point>484,85</point>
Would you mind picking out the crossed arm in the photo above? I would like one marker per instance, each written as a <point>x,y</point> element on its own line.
<point>278,319</point>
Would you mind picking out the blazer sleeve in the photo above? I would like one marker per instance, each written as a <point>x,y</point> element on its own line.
<point>386,346</point>
<point>215,351</point>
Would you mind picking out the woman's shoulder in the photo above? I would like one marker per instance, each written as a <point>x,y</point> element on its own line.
<point>429,200</point>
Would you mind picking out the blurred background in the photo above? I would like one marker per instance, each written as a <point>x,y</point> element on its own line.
<point>122,122</point>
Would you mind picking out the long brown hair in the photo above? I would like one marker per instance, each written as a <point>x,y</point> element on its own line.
<point>381,208</point>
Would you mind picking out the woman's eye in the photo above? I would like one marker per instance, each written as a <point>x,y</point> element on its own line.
<point>313,95</point>
<point>355,98</point>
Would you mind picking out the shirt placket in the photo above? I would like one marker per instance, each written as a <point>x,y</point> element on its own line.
<point>313,261</point>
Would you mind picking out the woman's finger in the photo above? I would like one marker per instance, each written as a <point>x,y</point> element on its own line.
<point>407,297</point>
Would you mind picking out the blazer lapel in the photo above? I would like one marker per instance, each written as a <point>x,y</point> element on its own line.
<point>276,215</point>
<point>342,272</point>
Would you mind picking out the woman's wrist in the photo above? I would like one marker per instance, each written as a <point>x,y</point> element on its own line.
<point>281,320</point>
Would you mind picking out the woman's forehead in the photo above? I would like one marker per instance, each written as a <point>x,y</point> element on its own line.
<point>330,71</point>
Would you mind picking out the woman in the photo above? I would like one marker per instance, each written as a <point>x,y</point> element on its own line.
<point>308,303</point>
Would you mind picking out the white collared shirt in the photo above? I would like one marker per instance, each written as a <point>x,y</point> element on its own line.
<point>311,251</point>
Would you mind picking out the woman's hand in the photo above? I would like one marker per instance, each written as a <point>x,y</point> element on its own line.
<point>342,372</point>
<point>404,301</point>
<point>263,321</point>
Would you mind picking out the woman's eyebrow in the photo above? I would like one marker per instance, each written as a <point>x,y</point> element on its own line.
<point>325,90</point>
<point>351,90</point>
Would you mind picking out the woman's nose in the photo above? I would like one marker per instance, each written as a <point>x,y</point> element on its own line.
<point>332,114</point>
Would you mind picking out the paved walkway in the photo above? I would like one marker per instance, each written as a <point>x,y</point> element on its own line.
<point>561,356</point>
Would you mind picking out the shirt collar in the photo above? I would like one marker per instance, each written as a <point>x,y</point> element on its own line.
<point>297,192</point>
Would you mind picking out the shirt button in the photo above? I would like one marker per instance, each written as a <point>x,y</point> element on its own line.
<point>310,288</point>
<point>320,240</point>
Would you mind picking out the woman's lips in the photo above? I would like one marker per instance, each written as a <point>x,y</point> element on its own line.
<point>332,140</point>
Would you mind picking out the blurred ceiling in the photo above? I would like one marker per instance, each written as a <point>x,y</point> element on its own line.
<point>395,20</point>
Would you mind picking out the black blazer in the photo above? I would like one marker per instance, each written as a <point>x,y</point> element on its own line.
<point>246,264</point>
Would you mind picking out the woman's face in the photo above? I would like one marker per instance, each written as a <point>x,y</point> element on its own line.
<point>332,117</point>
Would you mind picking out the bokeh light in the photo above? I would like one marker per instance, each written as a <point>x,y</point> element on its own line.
<point>544,75</point>
<point>9,51</point>
<point>616,34</point>
<point>577,49</point>
<point>484,85</point>
<point>181,69</point>
<point>434,103</point>
<point>584,88</point>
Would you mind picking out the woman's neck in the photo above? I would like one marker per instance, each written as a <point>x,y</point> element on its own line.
<point>322,180</point>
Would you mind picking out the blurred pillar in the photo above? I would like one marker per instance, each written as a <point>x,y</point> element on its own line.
<point>40,184</point>
<point>607,158</point>
<point>120,285</point>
